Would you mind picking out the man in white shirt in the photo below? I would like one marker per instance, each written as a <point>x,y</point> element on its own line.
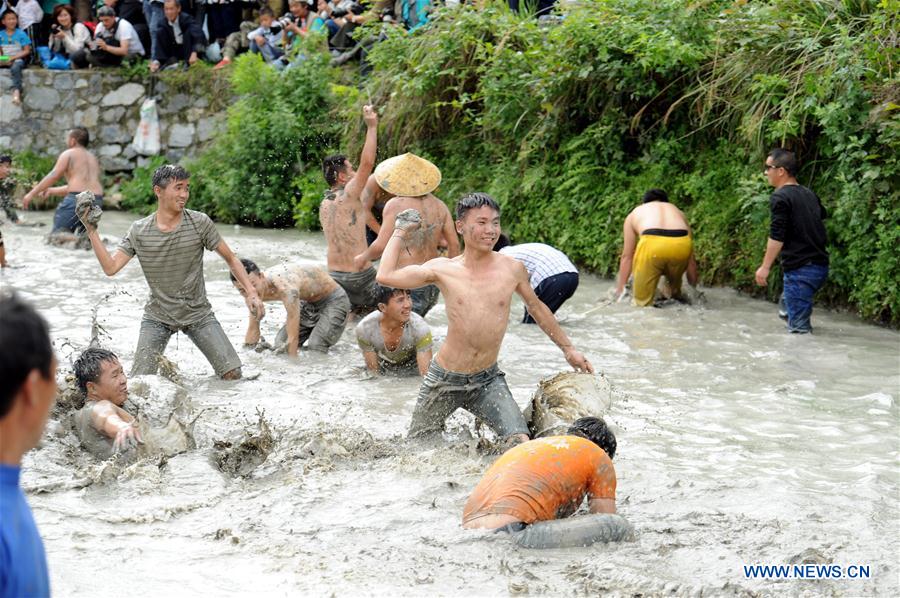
<point>551,274</point>
<point>114,40</point>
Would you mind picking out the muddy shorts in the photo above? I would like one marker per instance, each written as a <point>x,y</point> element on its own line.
<point>65,219</point>
<point>207,335</point>
<point>424,298</point>
<point>321,323</point>
<point>361,288</point>
<point>660,253</point>
<point>483,394</point>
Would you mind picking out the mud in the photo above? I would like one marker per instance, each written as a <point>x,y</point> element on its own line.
<point>565,397</point>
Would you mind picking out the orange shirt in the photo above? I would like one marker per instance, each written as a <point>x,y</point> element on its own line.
<point>543,479</point>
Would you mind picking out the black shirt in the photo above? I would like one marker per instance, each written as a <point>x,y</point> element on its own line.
<point>797,216</point>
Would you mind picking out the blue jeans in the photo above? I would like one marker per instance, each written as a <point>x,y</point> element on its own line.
<point>65,219</point>
<point>155,17</point>
<point>15,71</point>
<point>269,53</point>
<point>800,285</point>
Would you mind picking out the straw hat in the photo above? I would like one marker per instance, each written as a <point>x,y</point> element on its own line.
<point>408,175</point>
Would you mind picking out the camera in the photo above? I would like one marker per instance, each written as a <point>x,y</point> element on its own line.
<point>54,29</point>
<point>355,8</point>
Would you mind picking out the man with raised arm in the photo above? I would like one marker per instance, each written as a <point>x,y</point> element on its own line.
<point>82,173</point>
<point>316,305</point>
<point>477,288</point>
<point>169,245</point>
<point>343,218</point>
<point>412,179</point>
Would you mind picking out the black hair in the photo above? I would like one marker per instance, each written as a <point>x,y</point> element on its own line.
<point>265,11</point>
<point>178,2</point>
<point>4,159</point>
<point>24,346</point>
<point>595,430</point>
<point>385,293</point>
<point>502,241</point>
<point>167,173</point>
<point>332,166</point>
<point>87,366</point>
<point>249,266</point>
<point>8,11</point>
<point>655,195</point>
<point>786,159</point>
<point>80,135</point>
<point>475,200</point>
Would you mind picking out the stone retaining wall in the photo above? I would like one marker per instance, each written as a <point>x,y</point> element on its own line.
<point>108,105</point>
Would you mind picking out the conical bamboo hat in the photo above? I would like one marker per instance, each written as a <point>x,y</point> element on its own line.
<point>408,175</point>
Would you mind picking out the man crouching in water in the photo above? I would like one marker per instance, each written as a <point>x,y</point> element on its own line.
<point>547,479</point>
<point>477,288</point>
<point>316,305</point>
<point>103,426</point>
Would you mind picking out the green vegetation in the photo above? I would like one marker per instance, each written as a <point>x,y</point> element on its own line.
<point>567,124</point>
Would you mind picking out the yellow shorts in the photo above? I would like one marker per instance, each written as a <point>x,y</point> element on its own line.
<point>656,256</point>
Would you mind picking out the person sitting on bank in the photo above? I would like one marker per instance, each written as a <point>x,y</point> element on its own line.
<point>268,38</point>
<point>179,38</point>
<point>316,305</point>
<point>394,339</point>
<point>15,50</point>
<point>665,249</point>
<point>536,483</point>
<point>552,275</point>
<point>114,40</point>
<point>103,425</point>
<point>68,37</point>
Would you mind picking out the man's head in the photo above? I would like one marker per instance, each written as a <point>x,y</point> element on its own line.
<point>78,136</point>
<point>5,166</point>
<point>107,16</point>
<point>395,304</point>
<point>172,8</point>
<point>9,19</point>
<point>655,195</point>
<point>478,220</point>
<point>337,170</point>
<point>27,375</point>
<point>298,8</point>
<point>595,430</point>
<point>171,184</point>
<point>781,167</point>
<point>257,278</point>
<point>100,376</point>
<point>266,16</point>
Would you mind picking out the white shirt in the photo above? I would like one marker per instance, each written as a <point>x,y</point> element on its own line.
<point>30,12</point>
<point>124,32</point>
<point>541,261</point>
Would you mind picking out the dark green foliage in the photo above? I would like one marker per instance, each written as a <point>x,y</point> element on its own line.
<point>137,192</point>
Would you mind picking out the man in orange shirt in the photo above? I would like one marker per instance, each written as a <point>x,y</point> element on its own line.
<point>541,481</point>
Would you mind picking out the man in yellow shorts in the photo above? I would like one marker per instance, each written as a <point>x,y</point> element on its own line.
<point>665,249</point>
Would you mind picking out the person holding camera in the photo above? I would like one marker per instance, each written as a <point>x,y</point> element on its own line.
<point>178,38</point>
<point>114,40</point>
<point>69,38</point>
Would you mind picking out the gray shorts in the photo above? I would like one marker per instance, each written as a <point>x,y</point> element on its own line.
<point>424,298</point>
<point>321,323</point>
<point>207,335</point>
<point>361,288</point>
<point>484,394</point>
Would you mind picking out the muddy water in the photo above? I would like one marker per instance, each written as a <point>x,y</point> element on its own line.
<point>738,444</point>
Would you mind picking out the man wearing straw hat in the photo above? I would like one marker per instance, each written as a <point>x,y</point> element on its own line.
<point>343,218</point>
<point>412,179</point>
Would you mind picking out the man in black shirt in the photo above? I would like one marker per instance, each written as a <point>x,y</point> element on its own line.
<point>798,234</point>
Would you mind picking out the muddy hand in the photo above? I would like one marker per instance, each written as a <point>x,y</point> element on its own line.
<point>127,437</point>
<point>408,220</point>
<point>370,117</point>
<point>257,309</point>
<point>579,362</point>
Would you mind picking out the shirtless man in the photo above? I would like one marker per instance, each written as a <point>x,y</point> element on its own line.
<point>413,179</point>
<point>103,426</point>
<point>316,305</point>
<point>82,173</point>
<point>477,288</point>
<point>665,249</point>
<point>343,218</point>
<point>169,245</point>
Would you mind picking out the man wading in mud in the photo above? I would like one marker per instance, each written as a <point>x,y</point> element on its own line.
<point>412,179</point>
<point>477,288</point>
<point>169,245</point>
<point>82,173</point>
<point>343,218</point>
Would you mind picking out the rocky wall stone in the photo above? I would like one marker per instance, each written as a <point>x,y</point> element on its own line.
<point>108,105</point>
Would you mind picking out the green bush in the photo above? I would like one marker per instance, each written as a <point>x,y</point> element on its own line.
<point>137,192</point>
